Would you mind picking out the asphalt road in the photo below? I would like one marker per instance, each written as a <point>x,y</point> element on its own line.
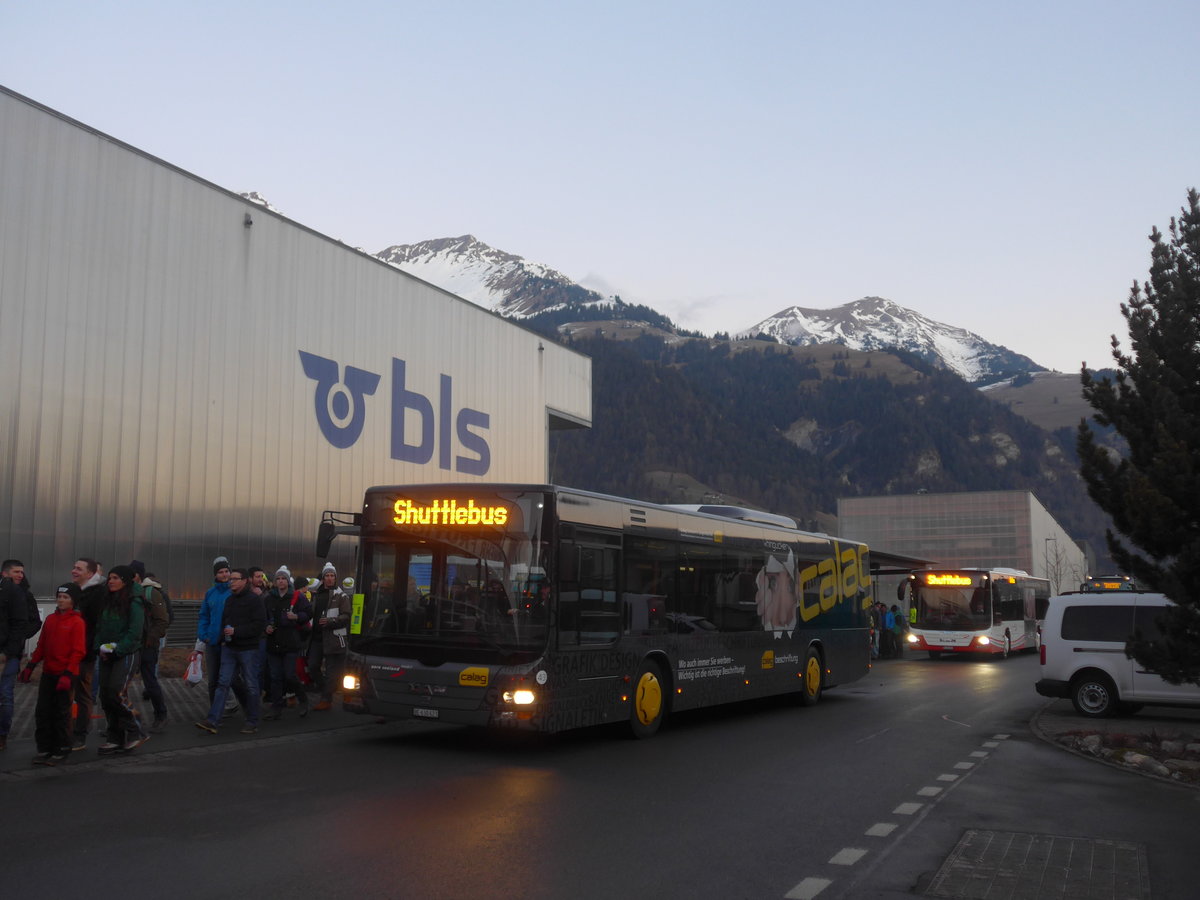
<point>866,795</point>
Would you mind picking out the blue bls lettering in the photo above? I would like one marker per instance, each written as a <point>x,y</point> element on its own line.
<point>437,428</point>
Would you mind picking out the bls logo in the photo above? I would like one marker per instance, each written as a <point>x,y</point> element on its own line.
<point>340,405</point>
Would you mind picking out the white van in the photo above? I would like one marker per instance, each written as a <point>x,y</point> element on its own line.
<point>1083,654</point>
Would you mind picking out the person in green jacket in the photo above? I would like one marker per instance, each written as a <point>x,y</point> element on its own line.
<point>118,639</point>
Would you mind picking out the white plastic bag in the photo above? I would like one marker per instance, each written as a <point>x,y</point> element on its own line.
<point>195,668</point>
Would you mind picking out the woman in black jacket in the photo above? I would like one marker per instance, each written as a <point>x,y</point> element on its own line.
<point>288,617</point>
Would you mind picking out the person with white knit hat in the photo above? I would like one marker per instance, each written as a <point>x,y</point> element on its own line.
<point>288,613</point>
<point>331,625</point>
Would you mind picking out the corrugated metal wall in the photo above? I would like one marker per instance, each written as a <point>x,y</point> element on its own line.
<point>152,396</point>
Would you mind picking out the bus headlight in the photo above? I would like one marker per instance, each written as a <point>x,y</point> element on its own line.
<point>983,640</point>
<point>519,698</point>
<point>912,638</point>
<point>350,682</point>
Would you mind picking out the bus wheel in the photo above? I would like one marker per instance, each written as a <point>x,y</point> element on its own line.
<point>814,679</point>
<point>935,654</point>
<point>649,701</point>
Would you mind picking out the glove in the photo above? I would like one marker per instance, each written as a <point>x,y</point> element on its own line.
<point>201,646</point>
<point>64,683</point>
<point>25,675</point>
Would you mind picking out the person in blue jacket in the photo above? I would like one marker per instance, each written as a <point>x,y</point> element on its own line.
<point>208,629</point>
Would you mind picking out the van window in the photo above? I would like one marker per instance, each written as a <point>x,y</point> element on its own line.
<point>1097,623</point>
<point>1146,622</point>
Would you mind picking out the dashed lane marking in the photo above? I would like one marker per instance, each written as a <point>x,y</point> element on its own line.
<point>847,856</point>
<point>881,829</point>
<point>808,888</point>
<point>947,777</point>
<point>964,765</point>
<point>929,791</point>
<point>907,809</point>
<point>978,754</point>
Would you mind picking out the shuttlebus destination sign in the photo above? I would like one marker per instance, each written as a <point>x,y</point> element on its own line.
<point>451,512</point>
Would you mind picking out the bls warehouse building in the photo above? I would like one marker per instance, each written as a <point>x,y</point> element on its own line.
<point>184,373</point>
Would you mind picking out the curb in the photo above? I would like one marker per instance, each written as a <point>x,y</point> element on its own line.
<point>1036,728</point>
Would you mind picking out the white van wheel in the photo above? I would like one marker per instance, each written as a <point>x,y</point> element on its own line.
<point>1094,695</point>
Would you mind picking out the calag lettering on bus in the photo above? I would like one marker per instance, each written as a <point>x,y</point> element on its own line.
<point>838,578</point>
<point>475,676</point>
<point>768,659</point>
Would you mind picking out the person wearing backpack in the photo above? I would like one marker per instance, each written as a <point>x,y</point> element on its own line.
<point>154,631</point>
<point>120,633</point>
<point>14,628</point>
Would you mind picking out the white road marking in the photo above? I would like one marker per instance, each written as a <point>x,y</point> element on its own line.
<point>847,856</point>
<point>979,754</point>
<point>1000,737</point>
<point>991,743</point>
<point>881,829</point>
<point>906,809</point>
<point>947,777</point>
<point>808,888</point>
<point>964,765</point>
<point>963,724</point>
<point>929,792</point>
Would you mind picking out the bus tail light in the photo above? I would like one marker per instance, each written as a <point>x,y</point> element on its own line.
<point>520,697</point>
<point>1042,654</point>
<point>350,683</point>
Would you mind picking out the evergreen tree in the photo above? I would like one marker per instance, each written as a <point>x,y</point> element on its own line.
<point>1153,491</point>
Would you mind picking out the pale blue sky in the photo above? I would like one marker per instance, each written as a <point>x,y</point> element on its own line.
<point>996,167</point>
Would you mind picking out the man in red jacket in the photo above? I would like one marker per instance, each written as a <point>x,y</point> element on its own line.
<point>61,647</point>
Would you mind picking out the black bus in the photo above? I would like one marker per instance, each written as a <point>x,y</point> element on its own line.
<point>546,608</point>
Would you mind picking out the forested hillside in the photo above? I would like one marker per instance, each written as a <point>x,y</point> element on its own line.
<point>769,428</point>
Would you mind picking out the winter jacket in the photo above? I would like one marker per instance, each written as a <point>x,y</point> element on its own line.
<point>209,627</point>
<point>156,607</point>
<point>91,599</point>
<point>123,630</point>
<point>13,618</point>
<point>62,644</point>
<point>332,635</point>
<point>288,633</point>
<point>248,616</point>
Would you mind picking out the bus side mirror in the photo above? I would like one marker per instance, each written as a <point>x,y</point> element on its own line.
<point>326,532</point>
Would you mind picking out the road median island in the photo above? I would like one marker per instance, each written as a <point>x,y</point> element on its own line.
<point>1164,743</point>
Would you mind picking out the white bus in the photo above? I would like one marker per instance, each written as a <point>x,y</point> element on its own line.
<point>992,611</point>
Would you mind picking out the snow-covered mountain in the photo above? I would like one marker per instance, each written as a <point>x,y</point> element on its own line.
<point>874,323</point>
<point>500,281</point>
<point>516,287</point>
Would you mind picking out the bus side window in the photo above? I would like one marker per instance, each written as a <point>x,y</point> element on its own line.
<point>599,617</point>
<point>568,593</point>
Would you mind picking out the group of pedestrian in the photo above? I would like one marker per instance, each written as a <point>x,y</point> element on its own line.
<point>106,627</point>
<point>888,630</point>
<point>254,635</point>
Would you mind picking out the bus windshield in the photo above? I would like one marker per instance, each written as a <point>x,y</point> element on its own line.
<point>952,602</point>
<point>453,585</point>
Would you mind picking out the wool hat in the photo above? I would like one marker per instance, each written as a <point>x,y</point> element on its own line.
<point>220,563</point>
<point>71,589</point>
<point>284,571</point>
<point>139,568</point>
<point>328,568</point>
<point>123,572</point>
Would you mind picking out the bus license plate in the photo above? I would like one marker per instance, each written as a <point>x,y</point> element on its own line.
<point>425,713</point>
